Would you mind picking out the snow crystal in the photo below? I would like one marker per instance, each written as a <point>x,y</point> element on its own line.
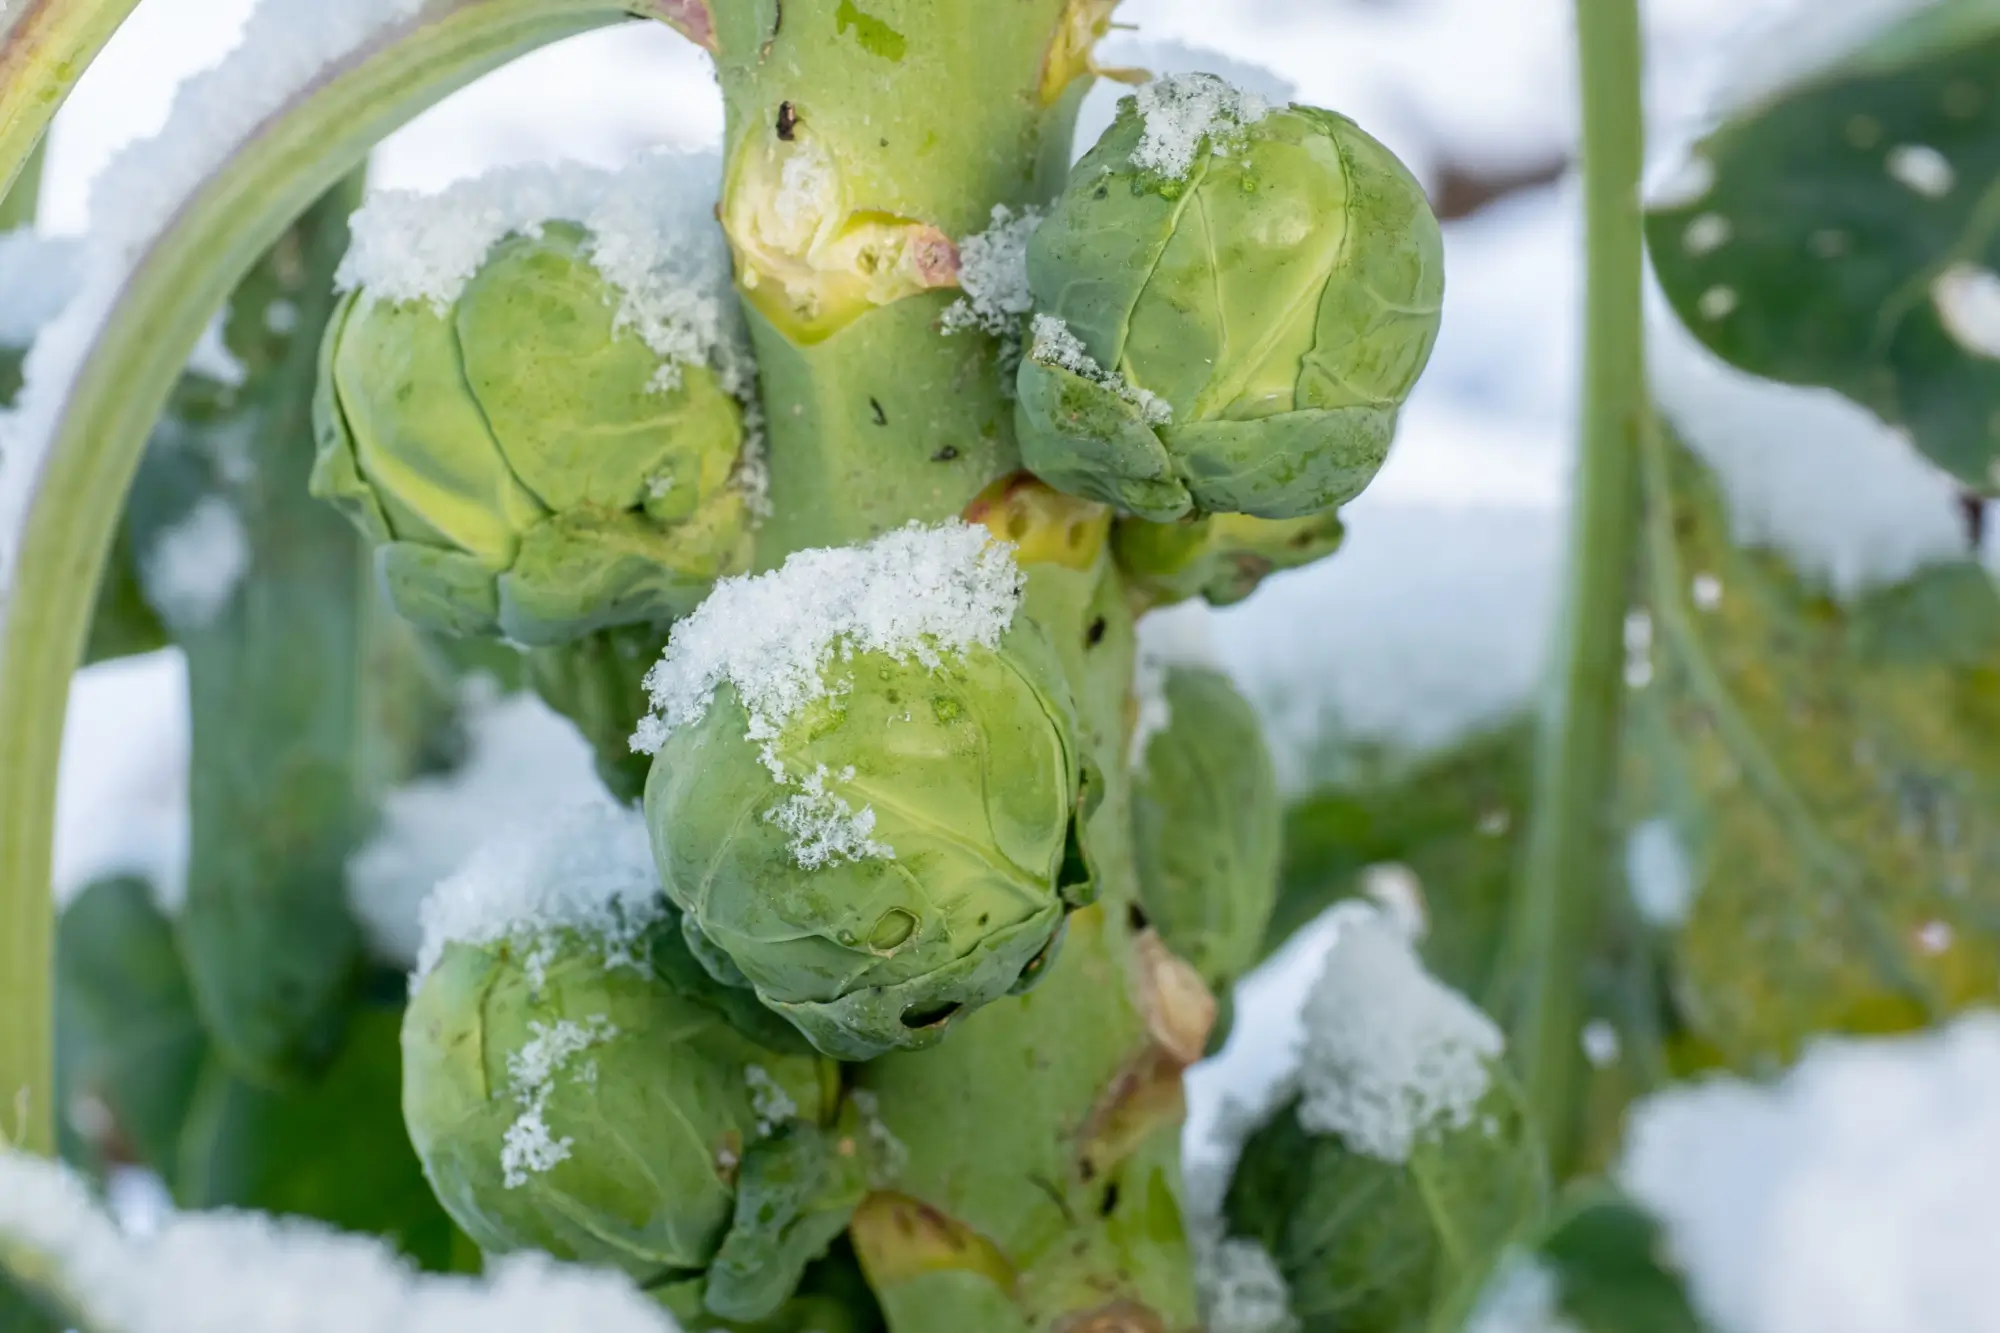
<point>1241,1289</point>
<point>914,593</point>
<point>1860,1193</point>
<point>652,234</point>
<point>1391,1053</point>
<point>40,275</point>
<point>1055,345</point>
<point>192,569</point>
<point>122,794</point>
<point>993,270</point>
<point>522,761</point>
<point>771,1104</point>
<point>1180,110</point>
<point>1524,1296</point>
<point>1657,873</point>
<point>1848,501</point>
<point>1706,234</point>
<point>587,869</point>
<point>226,1272</point>
<point>1923,169</point>
<point>529,1147</point>
<point>1967,298</point>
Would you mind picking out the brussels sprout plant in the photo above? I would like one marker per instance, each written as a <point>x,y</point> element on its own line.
<point>871,507</point>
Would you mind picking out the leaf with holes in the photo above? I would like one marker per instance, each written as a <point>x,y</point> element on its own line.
<point>1846,237</point>
<point>1829,774</point>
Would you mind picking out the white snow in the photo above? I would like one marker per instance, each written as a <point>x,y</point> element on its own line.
<point>1055,345</point>
<point>1967,297</point>
<point>1178,635</point>
<point>1860,1193</point>
<point>825,828</point>
<point>40,274</point>
<point>193,568</point>
<point>1657,873</point>
<point>1780,44</point>
<point>652,234</point>
<point>228,1272</point>
<point>212,359</point>
<point>586,870</point>
<point>769,1101</point>
<point>1922,168</point>
<point>1601,1045</point>
<point>1391,1054</point>
<point>1523,1296</point>
<point>1241,1289</point>
<point>522,761</point>
<point>122,795</point>
<point>1846,500</point>
<point>1181,110</point>
<point>993,270</point>
<point>529,1147</point>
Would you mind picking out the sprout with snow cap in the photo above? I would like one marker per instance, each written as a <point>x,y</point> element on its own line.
<point>534,401</point>
<point>573,1082</point>
<point>1232,301</point>
<point>866,785</point>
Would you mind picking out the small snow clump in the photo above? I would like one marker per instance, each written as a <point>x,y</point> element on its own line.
<point>1180,110</point>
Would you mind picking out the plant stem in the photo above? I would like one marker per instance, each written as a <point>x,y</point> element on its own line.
<point>25,195</point>
<point>1567,855</point>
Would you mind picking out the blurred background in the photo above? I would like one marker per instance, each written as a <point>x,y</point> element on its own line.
<point>1429,624</point>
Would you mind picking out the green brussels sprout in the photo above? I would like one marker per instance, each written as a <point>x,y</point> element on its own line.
<point>1222,557</point>
<point>601,1113</point>
<point>520,460</point>
<point>892,845</point>
<point>1232,302</point>
<point>1208,826</point>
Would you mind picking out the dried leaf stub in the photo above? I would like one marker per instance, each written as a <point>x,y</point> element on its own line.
<point>1177,1005</point>
<point>1118,1317</point>
<point>900,1238</point>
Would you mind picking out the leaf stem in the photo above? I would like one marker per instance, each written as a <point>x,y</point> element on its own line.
<point>1567,854</point>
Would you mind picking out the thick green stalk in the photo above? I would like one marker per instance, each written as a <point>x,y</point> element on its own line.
<point>45,46</point>
<point>25,195</point>
<point>1566,865</point>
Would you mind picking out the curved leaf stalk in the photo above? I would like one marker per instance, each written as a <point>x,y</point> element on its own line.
<point>44,50</point>
<point>1039,1167</point>
<point>1566,861</point>
<point>135,328</point>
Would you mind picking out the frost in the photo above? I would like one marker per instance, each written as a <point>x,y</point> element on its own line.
<point>1967,298</point>
<point>916,593</point>
<point>235,1271</point>
<point>529,1148</point>
<point>285,44</point>
<point>771,1104</point>
<point>887,1154</point>
<point>1391,1054</point>
<point>1845,499</point>
<point>1921,168</point>
<point>1241,1289</point>
<point>652,234</point>
<point>993,270</point>
<point>586,870</point>
<point>1055,345</point>
<point>1180,110</point>
<point>1657,873</point>
<point>1860,1193</point>
<point>40,275</point>
<point>1524,1296</point>
<point>192,569</point>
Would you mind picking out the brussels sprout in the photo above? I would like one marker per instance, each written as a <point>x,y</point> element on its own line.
<point>1207,826</point>
<point>522,462</point>
<point>1232,301</point>
<point>1222,557</point>
<point>873,928</point>
<point>601,1113</point>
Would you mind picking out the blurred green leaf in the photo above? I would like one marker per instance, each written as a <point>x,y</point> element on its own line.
<point>1831,774</point>
<point>1600,1267</point>
<point>1848,239</point>
<point>1373,1246</point>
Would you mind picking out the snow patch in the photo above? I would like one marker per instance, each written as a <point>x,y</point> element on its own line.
<point>193,568</point>
<point>1391,1053</point>
<point>122,794</point>
<point>993,270</point>
<point>769,1102</point>
<point>1967,298</point>
<point>1180,110</point>
<point>1857,1194</point>
<point>1921,168</point>
<point>529,1148</point>
<point>211,357</point>
<point>1657,874</point>
<point>1241,1289</point>
<point>1524,1296</point>
<point>1055,345</point>
<point>40,275</point>
<point>1787,43</point>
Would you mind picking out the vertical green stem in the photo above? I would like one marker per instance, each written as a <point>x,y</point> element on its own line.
<point>25,195</point>
<point>1567,852</point>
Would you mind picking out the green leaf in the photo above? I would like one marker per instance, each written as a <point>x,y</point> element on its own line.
<point>1848,239</point>
<point>1831,774</point>
<point>1600,1267</point>
<point>1373,1246</point>
<point>794,1194</point>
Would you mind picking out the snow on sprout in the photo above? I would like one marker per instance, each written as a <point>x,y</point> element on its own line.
<point>1055,345</point>
<point>771,1104</point>
<point>1241,1289</point>
<point>916,593</point>
<point>1391,1053</point>
<point>1860,1193</point>
<point>993,270</point>
<point>651,230</point>
<point>529,1147</point>
<point>192,569</point>
<point>1180,110</point>
<point>284,46</point>
<point>587,870</point>
<point>40,275</point>
<point>228,1272</point>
